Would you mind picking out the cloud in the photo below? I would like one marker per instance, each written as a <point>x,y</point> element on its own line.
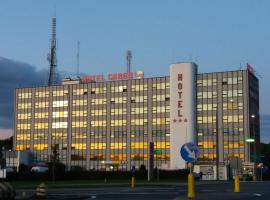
<point>6,133</point>
<point>14,75</point>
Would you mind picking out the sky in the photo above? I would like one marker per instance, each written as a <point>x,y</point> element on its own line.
<point>217,35</point>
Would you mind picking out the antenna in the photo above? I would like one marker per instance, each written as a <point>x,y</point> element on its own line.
<point>128,57</point>
<point>52,55</point>
<point>78,58</point>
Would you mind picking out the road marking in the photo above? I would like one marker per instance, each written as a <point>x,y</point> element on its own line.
<point>257,194</point>
<point>93,197</point>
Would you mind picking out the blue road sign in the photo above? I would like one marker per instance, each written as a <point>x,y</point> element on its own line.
<point>189,152</point>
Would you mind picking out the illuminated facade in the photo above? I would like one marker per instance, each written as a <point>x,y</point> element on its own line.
<point>110,123</point>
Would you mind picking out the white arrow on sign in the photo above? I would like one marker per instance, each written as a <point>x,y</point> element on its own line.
<point>191,154</point>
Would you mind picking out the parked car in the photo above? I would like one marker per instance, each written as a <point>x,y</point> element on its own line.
<point>39,169</point>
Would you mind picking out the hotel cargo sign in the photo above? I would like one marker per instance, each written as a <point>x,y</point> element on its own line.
<point>112,77</point>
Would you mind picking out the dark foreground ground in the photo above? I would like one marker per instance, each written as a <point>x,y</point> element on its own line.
<point>204,191</point>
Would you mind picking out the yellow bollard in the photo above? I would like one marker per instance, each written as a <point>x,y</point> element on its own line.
<point>133,182</point>
<point>236,184</point>
<point>191,186</point>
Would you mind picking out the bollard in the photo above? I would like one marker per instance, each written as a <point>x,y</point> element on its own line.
<point>254,178</point>
<point>191,186</point>
<point>236,184</point>
<point>132,182</point>
<point>41,191</point>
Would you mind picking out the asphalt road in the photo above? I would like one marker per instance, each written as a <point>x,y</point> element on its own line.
<point>204,191</point>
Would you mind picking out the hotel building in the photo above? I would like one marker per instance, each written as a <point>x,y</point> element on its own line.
<point>96,123</point>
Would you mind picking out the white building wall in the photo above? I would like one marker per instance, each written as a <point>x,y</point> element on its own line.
<point>183,109</point>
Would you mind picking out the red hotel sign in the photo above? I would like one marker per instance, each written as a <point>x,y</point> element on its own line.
<point>113,77</point>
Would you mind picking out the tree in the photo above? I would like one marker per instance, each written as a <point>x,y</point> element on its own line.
<point>54,159</point>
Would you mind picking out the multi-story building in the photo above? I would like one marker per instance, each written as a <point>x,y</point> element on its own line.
<point>94,122</point>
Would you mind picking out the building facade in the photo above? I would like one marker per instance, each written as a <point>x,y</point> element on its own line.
<point>104,124</point>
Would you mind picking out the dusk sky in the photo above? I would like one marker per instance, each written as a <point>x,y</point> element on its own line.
<point>217,35</point>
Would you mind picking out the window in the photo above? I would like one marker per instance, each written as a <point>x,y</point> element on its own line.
<point>79,113</point>
<point>120,145</point>
<point>59,93</point>
<point>98,112</point>
<point>98,146</point>
<point>24,95</point>
<point>78,135</point>
<point>121,122</point>
<point>24,116</point>
<point>42,94</point>
<point>139,87</point>
<point>98,101</point>
<point>119,111</point>
<point>79,91</point>
<point>160,86</point>
<point>41,125</point>
<point>59,125</point>
<point>100,90</point>
<point>161,97</point>
<point>23,126</point>
<point>139,110</point>
<point>24,105</point>
<point>138,122</point>
<point>98,123</point>
<point>79,102</point>
<point>59,135</point>
<point>60,103</point>
<point>23,136</point>
<point>38,136</point>
<point>40,147</point>
<point>119,100</point>
<point>60,114</point>
<point>80,146</point>
<point>121,88</point>
<point>79,124</point>
<point>139,99</point>
<point>41,115</point>
<point>161,121</point>
<point>161,109</point>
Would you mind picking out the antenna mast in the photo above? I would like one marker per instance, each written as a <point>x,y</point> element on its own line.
<point>52,55</point>
<point>128,57</point>
<point>78,58</point>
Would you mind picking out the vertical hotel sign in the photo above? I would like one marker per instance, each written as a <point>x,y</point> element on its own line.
<point>183,109</point>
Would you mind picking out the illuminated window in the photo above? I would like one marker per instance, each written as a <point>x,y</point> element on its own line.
<point>23,136</point>
<point>24,105</point>
<point>23,126</point>
<point>22,147</point>
<point>98,146</point>
<point>41,104</point>
<point>40,147</point>
<point>233,118</point>
<point>118,157</point>
<point>161,109</point>
<point>118,145</point>
<point>79,124</point>
<point>119,122</point>
<point>205,95</point>
<point>206,144</point>
<point>138,122</point>
<point>139,87</point>
<point>138,99</point>
<point>41,115</point>
<point>60,114</point>
<point>119,111</point>
<point>80,146</point>
<point>139,145</point>
<point>78,135</point>
<point>162,145</point>
<point>59,135</point>
<point>233,106</point>
<point>38,136</point>
<point>41,125</point>
<point>160,86</point>
<point>205,120</point>
<point>98,112</point>
<point>24,116</point>
<point>79,91</point>
<point>100,90</point>
<point>121,88</point>
<point>42,94</point>
<point>59,93</point>
<point>98,123</point>
<point>119,100</point>
<point>79,102</point>
<point>98,101</point>
<point>232,93</point>
<point>139,110</point>
<point>161,121</point>
<point>59,125</point>
<point>24,95</point>
<point>79,113</point>
<point>161,97</point>
<point>60,103</point>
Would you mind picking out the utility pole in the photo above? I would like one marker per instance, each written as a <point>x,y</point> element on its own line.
<point>52,55</point>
